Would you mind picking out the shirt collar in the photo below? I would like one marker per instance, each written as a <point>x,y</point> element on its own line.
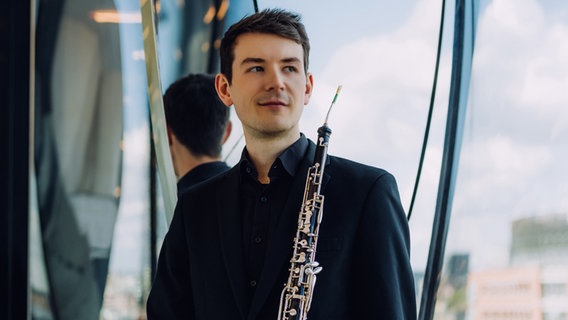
<point>289,159</point>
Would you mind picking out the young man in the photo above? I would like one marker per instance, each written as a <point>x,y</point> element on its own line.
<point>228,250</point>
<point>198,125</point>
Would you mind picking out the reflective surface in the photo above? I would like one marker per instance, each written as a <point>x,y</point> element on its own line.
<point>510,221</point>
<point>78,132</point>
<point>507,239</point>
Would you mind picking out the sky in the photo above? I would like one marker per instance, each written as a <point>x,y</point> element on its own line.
<point>514,151</point>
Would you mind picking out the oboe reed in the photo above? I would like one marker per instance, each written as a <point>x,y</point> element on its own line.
<point>332,103</point>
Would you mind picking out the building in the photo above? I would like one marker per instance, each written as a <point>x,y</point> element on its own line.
<point>535,285</point>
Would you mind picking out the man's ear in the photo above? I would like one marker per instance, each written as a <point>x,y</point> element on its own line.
<point>223,88</point>
<point>309,88</point>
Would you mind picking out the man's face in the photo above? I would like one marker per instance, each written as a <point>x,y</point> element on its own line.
<point>269,86</point>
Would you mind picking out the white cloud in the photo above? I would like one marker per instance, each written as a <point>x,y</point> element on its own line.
<point>521,64</point>
<point>519,115</point>
<point>387,79</point>
<point>506,161</point>
<point>512,163</point>
<point>381,112</point>
<point>485,236</point>
<point>497,171</point>
<point>516,126</point>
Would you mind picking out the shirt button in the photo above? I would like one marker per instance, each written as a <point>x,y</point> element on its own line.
<point>263,199</point>
<point>248,170</point>
<point>258,239</point>
<point>253,283</point>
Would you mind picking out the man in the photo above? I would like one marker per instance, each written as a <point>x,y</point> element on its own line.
<point>228,250</point>
<point>198,125</point>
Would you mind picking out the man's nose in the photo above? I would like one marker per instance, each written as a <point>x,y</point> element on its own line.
<point>275,80</point>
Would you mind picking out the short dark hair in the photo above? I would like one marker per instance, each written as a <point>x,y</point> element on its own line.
<point>196,115</point>
<point>269,21</point>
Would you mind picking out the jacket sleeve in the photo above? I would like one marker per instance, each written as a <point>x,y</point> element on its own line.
<point>171,294</point>
<point>382,273</point>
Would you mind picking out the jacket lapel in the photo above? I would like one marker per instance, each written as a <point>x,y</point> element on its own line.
<point>230,230</point>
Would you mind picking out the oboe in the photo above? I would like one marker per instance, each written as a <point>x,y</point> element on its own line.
<point>297,295</point>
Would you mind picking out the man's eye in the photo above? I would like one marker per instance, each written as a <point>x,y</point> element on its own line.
<point>255,69</point>
<point>290,69</point>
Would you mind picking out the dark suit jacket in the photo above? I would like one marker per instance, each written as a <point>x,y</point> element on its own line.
<point>363,248</point>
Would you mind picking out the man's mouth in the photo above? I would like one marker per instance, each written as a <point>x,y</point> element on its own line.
<point>270,103</point>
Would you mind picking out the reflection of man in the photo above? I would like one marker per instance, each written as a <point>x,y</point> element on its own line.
<point>198,125</point>
<point>228,250</point>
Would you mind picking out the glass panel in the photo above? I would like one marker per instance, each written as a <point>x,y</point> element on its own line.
<point>129,271</point>
<point>507,240</point>
<point>510,214</point>
<point>78,154</point>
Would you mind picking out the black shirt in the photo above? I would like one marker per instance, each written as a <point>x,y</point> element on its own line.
<point>261,205</point>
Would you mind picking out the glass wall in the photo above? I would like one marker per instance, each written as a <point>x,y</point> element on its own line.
<point>78,157</point>
<point>91,202</point>
<point>506,251</point>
